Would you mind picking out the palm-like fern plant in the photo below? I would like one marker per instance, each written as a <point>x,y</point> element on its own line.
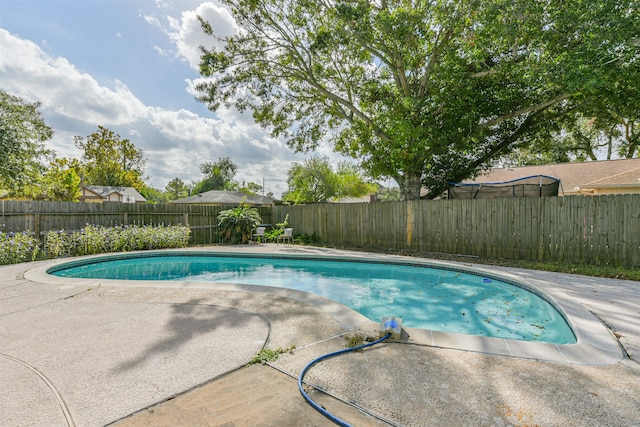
<point>237,224</point>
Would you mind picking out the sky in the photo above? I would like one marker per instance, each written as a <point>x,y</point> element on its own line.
<point>130,66</point>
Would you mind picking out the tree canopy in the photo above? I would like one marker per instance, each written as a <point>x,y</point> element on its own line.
<point>23,134</point>
<point>580,139</point>
<point>59,182</point>
<point>176,189</point>
<point>422,92</point>
<point>110,160</point>
<point>314,180</point>
<point>218,175</point>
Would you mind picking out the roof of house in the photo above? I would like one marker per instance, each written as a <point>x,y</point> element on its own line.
<point>575,176</point>
<point>226,198</point>
<point>104,191</point>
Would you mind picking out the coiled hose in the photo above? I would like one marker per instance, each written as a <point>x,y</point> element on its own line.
<point>317,407</point>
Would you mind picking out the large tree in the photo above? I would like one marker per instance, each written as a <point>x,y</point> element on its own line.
<point>607,124</point>
<point>314,180</point>
<point>423,92</point>
<point>23,134</point>
<point>60,182</point>
<point>605,135</point>
<point>110,160</point>
<point>176,189</point>
<point>218,175</point>
<point>350,182</point>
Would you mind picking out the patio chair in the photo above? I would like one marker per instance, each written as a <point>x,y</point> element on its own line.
<point>258,235</point>
<point>287,236</point>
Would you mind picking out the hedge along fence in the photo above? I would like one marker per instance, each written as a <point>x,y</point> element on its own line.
<point>96,239</point>
<point>40,217</point>
<point>23,246</point>
<point>598,230</point>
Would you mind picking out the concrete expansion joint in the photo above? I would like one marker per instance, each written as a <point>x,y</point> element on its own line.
<point>314,387</point>
<point>631,364</point>
<point>63,406</point>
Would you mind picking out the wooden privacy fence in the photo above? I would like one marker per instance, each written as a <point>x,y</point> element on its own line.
<point>40,217</point>
<point>599,230</point>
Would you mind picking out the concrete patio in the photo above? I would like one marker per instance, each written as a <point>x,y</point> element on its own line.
<point>95,352</point>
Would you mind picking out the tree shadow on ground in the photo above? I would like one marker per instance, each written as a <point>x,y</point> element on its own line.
<point>189,320</point>
<point>415,385</point>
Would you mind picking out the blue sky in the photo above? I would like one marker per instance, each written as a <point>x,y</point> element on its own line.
<point>130,65</point>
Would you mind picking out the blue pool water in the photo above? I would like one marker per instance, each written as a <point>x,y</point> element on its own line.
<point>424,297</point>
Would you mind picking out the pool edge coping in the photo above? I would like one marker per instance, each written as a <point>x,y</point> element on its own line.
<point>596,345</point>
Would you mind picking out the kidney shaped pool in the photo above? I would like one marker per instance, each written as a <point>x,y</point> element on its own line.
<point>439,299</point>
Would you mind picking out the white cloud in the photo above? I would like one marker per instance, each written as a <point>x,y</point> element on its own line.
<point>162,52</point>
<point>152,20</point>
<point>174,142</point>
<point>187,34</point>
<point>61,87</point>
<point>184,125</point>
<point>163,4</point>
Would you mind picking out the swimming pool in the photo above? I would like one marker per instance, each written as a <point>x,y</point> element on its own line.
<point>438,299</point>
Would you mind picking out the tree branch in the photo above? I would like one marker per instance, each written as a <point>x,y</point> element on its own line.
<point>433,59</point>
<point>525,110</point>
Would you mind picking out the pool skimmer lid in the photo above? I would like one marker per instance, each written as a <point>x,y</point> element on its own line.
<point>391,325</point>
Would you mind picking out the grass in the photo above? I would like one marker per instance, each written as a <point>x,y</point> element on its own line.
<point>584,269</point>
<point>266,355</point>
<point>355,340</point>
<point>624,273</point>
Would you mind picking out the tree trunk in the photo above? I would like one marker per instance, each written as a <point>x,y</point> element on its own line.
<point>410,185</point>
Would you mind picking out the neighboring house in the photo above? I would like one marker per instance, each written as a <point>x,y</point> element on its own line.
<point>217,197</point>
<point>98,193</point>
<point>579,178</point>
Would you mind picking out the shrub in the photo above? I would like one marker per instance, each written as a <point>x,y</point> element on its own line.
<point>236,224</point>
<point>17,247</point>
<point>57,243</point>
<point>308,238</point>
<point>96,239</point>
<point>90,240</point>
<point>176,236</point>
<point>277,230</point>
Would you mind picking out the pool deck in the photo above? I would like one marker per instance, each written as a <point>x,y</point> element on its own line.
<point>98,352</point>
